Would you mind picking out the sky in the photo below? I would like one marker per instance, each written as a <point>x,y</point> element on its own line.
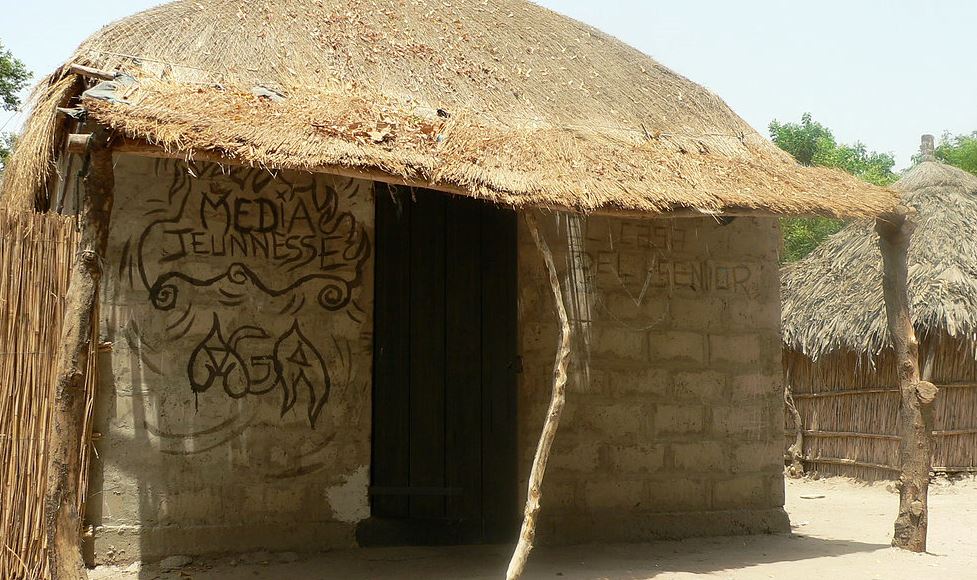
<point>882,72</point>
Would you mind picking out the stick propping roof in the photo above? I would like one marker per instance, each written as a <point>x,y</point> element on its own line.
<point>501,99</point>
<point>832,299</point>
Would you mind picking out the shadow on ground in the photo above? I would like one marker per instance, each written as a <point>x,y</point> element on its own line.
<point>657,560</point>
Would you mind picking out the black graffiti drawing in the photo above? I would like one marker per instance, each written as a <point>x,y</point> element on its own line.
<point>334,292</point>
<point>301,229</point>
<point>293,365</point>
<point>216,361</point>
<point>300,366</point>
<point>221,239</point>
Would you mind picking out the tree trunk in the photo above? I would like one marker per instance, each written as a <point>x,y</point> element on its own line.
<point>528,533</point>
<point>795,453</point>
<point>64,461</point>
<point>916,408</point>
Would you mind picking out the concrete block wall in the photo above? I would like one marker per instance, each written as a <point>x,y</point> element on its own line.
<point>673,425</point>
<point>234,407</point>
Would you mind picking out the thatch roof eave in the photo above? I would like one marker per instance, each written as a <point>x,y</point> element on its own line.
<point>543,111</point>
<point>832,299</point>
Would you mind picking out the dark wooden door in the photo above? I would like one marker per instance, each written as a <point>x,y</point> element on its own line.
<point>444,417</point>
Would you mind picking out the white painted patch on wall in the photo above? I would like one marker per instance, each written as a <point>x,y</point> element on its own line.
<point>350,501</point>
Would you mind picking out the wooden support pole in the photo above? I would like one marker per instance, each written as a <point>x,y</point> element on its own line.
<point>916,409</point>
<point>64,461</point>
<point>94,73</point>
<point>558,398</point>
<point>78,143</point>
<point>795,453</point>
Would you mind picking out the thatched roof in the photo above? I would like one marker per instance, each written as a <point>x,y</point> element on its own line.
<point>832,299</point>
<point>502,99</point>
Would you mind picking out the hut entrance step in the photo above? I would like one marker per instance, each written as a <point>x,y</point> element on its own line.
<point>445,364</point>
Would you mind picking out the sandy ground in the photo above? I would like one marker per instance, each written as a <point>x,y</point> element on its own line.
<point>843,535</point>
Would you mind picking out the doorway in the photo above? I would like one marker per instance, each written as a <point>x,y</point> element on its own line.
<point>445,364</point>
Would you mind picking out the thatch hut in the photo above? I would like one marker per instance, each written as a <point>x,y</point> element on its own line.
<point>324,324</point>
<point>836,361</point>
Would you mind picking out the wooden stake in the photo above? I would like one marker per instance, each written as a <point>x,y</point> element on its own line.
<point>521,554</point>
<point>795,453</point>
<point>64,461</point>
<point>87,71</point>
<point>916,409</point>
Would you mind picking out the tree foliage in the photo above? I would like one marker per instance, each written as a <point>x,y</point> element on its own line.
<point>13,78</point>
<point>813,144</point>
<point>7,142</point>
<point>959,151</point>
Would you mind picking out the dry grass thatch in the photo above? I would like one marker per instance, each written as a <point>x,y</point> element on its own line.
<point>832,300</point>
<point>501,98</point>
<point>36,254</point>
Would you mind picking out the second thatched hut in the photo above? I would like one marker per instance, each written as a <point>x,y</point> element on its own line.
<point>836,360</point>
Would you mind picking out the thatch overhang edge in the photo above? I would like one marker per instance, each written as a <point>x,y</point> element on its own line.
<point>832,299</point>
<point>581,170</point>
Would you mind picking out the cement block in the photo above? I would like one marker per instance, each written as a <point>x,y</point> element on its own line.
<point>577,456</point>
<point>616,493</point>
<point>638,311</point>
<point>677,494</point>
<point>744,421</point>
<point>611,421</point>
<point>758,456</point>
<point>704,313</point>
<point>745,314</point>
<point>635,459</point>
<point>741,492</point>
<point>757,385</point>
<point>679,420</point>
<point>701,457</point>
<point>735,350</point>
<point>645,384</point>
<point>702,386</point>
<point>613,342</point>
<point>677,346</point>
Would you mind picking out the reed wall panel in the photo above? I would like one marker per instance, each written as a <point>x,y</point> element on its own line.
<point>36,254</point>
<point>849,409</point>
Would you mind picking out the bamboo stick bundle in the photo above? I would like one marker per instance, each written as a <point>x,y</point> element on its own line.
<point>844,393</point>
<point>36,255</point>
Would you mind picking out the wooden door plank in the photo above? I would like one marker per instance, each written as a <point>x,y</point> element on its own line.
<point>499,368</point>
<point>463,368</point>
<point>391,351</point>
<point>427,348</point>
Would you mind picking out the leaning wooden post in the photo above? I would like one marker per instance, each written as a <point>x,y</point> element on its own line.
<point>916,408</point>
<point>528,533</point>
<point>64,461</point>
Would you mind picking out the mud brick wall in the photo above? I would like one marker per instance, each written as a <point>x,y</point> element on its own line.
<point>234,405</point>
<point>673,425</point>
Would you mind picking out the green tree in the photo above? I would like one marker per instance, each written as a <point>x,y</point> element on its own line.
<point>813,144</point>
<point>7,143</point>
<point>959,151</point>
<point>13,78</point>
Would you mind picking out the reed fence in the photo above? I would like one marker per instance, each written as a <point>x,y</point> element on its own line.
<point>849,408</point>
<point>36,255</point>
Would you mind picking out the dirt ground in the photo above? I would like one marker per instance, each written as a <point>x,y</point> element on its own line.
<point>845,534</point>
